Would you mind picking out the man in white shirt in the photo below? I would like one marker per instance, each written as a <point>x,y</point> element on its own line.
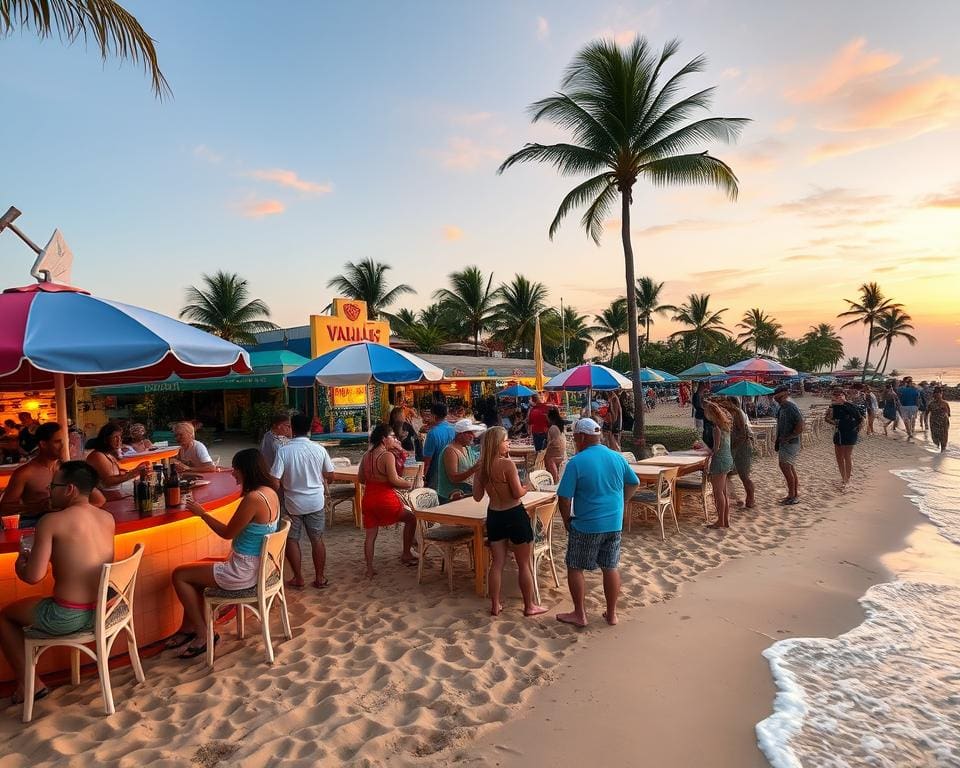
<point>193,455</point>
<point>303,469</point>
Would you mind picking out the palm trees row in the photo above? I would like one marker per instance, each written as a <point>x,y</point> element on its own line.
<point>885,320</point>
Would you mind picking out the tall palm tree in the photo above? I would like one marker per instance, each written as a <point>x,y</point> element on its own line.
<point>626,124</point>
<point>610,325</point>
<point>892,325</point>
<point>518,304</point>
<point>824,346</point>
<point>114,30</point>
<point>704,325</point>
<point>867,311</point>
<point>367,281</point>
<point>577,335</point>
<point>223,307</point>
<point>761,330</point>
<point>648,303</point>
<point>472,298</point>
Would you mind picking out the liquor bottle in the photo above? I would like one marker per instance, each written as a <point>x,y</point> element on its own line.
<point>142,493</point>
<point>158,482</point>
<point>172,488</point>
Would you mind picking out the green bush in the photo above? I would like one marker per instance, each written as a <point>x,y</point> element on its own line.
<point>256,420</point>
<point>672,438</point>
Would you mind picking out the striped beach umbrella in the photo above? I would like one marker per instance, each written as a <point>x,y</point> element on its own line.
<point>588,376</point>
<point>761,366</point>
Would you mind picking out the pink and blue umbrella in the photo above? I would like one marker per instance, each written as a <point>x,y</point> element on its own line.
<point>588,376</point>
<point>761,366</point>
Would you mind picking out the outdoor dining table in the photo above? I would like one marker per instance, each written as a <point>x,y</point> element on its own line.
<point>473,514</point>
<point>351,475</point>
<point>686,463</point>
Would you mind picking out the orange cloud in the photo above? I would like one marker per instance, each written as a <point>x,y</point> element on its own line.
<point>451,233</point>
<point>786,125</point>
<point>950,199</point>
<point>258,209</point>
<point>465,154</point>
<point>932,103</point>
<point>291,180</point>
<point>851,63</point>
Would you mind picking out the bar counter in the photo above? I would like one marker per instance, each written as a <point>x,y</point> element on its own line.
<point>126,462</point>
<point>170,538</point>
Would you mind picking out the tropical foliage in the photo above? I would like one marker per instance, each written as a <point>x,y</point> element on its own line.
<point>367,281</point>
<point>515,313</point>
<point>892,325</point>
<point>760,330</point>
<point>627,122</point>
<point>222,306</point>
<point>609,326</point>
<point>867,311</point>
<point>704,326</point>
<point>113,30</point>
<point>648,303</point>
<point>472,298</point>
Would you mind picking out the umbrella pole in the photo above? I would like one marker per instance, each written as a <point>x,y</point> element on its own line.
<point>589,402</point>
<point>366,388</point>
<point>61,397</point>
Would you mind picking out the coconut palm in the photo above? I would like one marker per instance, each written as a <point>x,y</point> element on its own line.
<point>823,347</point>
<point>867,311</point>
<point>704,325</point>
<point>471,298</point>
<point>577,336</point>
<point>853,364</point>
<point>367,281</point>
<point>426,338</point>
<point>760,330</point>
<point>648,304</point>
<point>610,325</point>
<point>518,304</point>
<point>114,30</point>
<point>403,319</point>
<point>628,123</point>
<point>892,325</point>
<point>223,307</point>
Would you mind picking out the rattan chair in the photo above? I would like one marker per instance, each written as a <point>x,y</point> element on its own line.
<point>697,485</point>
<point>629,456</point>
<point>340,493</point>
<point>657,501</point>
<point>114,614</point>
<point>541,480</point>
<point>658,449</point>
<point>542,520</point>
<point>446,538</point>
<point>258,599</point>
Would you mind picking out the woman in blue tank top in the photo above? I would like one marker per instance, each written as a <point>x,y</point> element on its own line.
<point>255,517</point>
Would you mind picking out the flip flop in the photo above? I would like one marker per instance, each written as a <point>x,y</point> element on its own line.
<point>293,585</point>
<point>321,584</point>
<point>791,502</point>
<point>173,642</point>
<point>41,694</point>
<point>192,651</point>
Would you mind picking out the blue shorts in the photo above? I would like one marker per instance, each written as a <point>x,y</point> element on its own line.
<point>589,551</point>
<point>315,522</point>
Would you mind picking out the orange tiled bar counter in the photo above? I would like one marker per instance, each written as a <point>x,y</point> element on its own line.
<point>170,538</point>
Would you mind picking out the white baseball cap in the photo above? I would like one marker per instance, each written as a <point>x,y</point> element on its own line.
<point>465,425</point>
<point>586,427</point>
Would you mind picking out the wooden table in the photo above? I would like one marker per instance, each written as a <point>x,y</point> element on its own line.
<point>351,475</point>
<point>473,514</point>
<point>686,463</point>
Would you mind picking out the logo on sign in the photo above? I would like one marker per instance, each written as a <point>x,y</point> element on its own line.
<point>352,311</point>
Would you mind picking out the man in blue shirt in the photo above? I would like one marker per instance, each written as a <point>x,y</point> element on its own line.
<point>596,485</point>
<point>909,401</point>
<point>439,436</point>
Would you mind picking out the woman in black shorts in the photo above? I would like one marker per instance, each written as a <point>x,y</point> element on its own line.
<point>506,518</point>
<point>846,418</point>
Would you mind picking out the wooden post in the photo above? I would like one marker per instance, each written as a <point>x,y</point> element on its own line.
<point>61,398</point>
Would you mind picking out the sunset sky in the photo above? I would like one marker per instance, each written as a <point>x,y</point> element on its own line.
<point>303,134</point>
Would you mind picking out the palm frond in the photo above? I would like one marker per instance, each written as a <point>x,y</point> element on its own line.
<point>691,170</point>
<point>578,196</point>
<point>725,129</point>
<point>568,159</point>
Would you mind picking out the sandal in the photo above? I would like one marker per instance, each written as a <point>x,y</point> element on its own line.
<point>192,651</point>
<point>178,639</point>
<point>321,584</point>
<point>41,694</point>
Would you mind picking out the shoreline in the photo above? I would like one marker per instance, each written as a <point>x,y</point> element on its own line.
<point>695,661</point>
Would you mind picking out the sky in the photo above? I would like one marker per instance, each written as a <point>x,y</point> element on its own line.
<point>303,135</point>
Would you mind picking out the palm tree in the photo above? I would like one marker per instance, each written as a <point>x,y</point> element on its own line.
<point>113,29</point>
<point>471,298</point>
<point>577,335</point>
<point>704,326</point>
<point>426,338</point>
<point>648,303</point>
<point>626,124</point>
<point>224,308</point>
<point>404,319</point>
<point>823,346</point>
<point>867,311</point>
<point>611,324</point>
<point>892,325</point>
<point>853,364</point>
<point>518,304</point>
<point>761,330</point>
<point>366,281</point>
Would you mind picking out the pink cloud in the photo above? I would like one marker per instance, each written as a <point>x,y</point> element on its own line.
<point>543,28</point>
<point>258,209</point>
<point>291,180</point>
<point>948,199</point>
<point>851,63</point>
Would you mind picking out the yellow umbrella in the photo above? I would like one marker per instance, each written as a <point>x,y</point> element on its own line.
<point>538,357</point>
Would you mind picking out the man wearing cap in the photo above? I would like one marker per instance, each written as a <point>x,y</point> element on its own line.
<point>594,489</point>
<point>789,429</point>
<point>458,462</point>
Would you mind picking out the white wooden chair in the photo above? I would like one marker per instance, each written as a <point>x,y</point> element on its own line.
<point>258,599</point>
<point>658,449</point>
<point>657,501</point>
<point>542,519</point>
<point>538,460</point>
<point>628,455</point>
<point>339,493</point>
<point>414,473</point>
<point>697,485</point>
<point>446,538</point>
<point>541,480</point>
<point>114,614</point>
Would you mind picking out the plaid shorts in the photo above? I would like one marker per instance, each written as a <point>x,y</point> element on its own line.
<point>589,551</point>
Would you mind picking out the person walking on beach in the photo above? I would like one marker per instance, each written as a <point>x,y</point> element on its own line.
<point>697,402</point>
<point>787,444</point>
<point>507,519</point>
<point>721,461</point>
<point>439,436</point>
<point>938,413</point>
<point>926,397</point>
<point>909,405</point>
<point>596,485</point>
<point>303,469</point>
<point>615,420</point>
<point>741,446</point>
<point>891,408</point>
<point>870,400</point>
<point>76,539</point>
<point>847,421</point>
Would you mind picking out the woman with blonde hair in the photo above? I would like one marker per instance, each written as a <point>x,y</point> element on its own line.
<point>721,460</point>
<point>506,518</point>
<point>741,446</point>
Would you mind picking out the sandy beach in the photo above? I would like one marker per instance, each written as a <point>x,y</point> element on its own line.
<point>394,673</point>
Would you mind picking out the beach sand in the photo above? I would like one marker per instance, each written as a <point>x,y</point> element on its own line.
<point>394,673</point>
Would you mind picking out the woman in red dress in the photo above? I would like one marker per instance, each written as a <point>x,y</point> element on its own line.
<point>381,506</point>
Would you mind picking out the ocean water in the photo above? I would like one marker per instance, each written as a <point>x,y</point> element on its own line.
<point>886,693</point>
<point>948,374</point>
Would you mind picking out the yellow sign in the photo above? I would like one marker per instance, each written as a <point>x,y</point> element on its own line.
<point>347,325</point>
<point>343,396</point>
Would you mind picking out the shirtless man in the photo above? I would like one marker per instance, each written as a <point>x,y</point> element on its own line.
<point>76,538</point>
<point>28,492</point>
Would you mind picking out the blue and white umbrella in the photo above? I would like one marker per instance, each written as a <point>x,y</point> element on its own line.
<point>667,377</point>
<point>517,390</point>
<point>361,363</point>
